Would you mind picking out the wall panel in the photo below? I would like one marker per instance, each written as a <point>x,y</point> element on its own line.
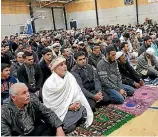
<point>86,18</point>
<point>10,23</point>
<point>44,24</point>
<point>59,18</point>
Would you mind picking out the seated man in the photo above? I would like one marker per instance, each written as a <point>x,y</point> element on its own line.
<point>82,47</point>
<point>30,73</point>
<point>147,65</point>
<point>8,52</point>
<point>19,49</point>
<point>154,45</point>
<point>124,48</point>
<point>110,77</point>
<point>16,65</point>
<point>24,115</point>
<point>90,83</point>
<point>44,64</point>
<point>117,43</point>
<point>95,57</point>
<point>4,57</point>
<point>146,45</point>
<point>63,95</point>
<point>6,81</point>
<point>55,49</point>
<point>70,61</point>
<point>129,75</point>
<point>28,48</point>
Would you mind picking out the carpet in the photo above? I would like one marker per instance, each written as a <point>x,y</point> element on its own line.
<point>144,97</point>
<point>106,120</point>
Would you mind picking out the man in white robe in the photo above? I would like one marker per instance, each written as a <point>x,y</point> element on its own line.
<point>63,95</point>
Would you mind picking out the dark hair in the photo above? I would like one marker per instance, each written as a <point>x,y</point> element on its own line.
<point>89,38</point>
<point>147,38</point>
<point>123,45</point>
<point>62,49</point>
<point>96,46</point>
<point>31,41</point>
<point>78,54</point>
<point>24,38</point>
<point>109,49</point>
<point>46,50</point>
<point>3,42</point>
<point>56,39</point>
<point>126,35</point>
<point>5,45</point>
<point>116,40</point>
<point>4,65</point>
<point>11,36</point>
<point>27,54</point>
<point>106,37</point>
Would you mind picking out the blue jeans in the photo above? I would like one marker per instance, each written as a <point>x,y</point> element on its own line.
<point>116,97</point>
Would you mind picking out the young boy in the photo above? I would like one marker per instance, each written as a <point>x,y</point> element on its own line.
<point>6,81</point>
<point>8,52</point>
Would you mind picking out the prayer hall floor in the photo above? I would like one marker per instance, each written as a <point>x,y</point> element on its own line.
<point>143,125</point>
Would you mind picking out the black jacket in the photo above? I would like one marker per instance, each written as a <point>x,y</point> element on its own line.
<point>79,81</point>
<point>45,70</point>
<point>5,59</point>
<point>23,77</point>
<point>93,60</point>
<point>90,81</point>
<point>70,62</point>
<point>13,125</point>
<point>14,46</point>
<point>39,51</point>
<point>142,49</point>
<point>10,55</point>
<point>129,75</point>
<point>117,48</point>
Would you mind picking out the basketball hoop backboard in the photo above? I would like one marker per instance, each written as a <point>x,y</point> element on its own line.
<point>40,14</point>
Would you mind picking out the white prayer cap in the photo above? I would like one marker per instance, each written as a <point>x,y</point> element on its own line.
<point>43,39</point>
<point>119,54</point>
<point>56,45</point>
<point>58,36</point>
<point>19,53</point>
<point>150,51</point>
<point>81,42</point>
<point>55,62</point>
<point>115,33</point>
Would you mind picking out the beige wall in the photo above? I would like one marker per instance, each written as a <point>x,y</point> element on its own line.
<point>110,12</point>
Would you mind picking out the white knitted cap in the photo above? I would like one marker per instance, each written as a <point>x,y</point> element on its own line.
<point>119,54</point>
<point>150,51</point>
<point>55,62</point>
